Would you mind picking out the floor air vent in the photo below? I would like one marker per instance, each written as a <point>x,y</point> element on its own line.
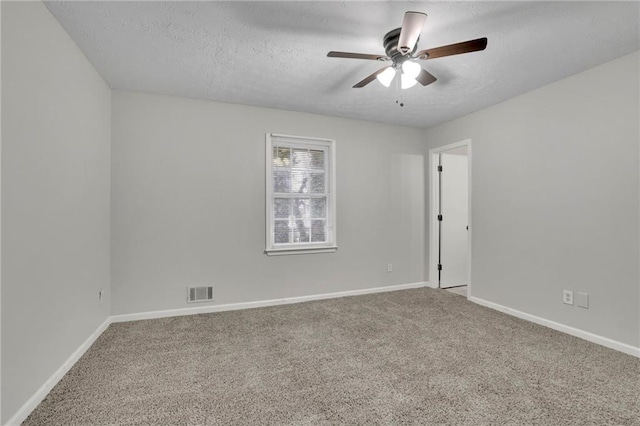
<point>199,294</point>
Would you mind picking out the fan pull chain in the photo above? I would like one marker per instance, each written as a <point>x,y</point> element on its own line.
<point>399,100</point>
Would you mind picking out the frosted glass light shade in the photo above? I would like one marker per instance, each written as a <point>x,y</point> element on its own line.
<point>386,77</point>
<point>411,69</point>
<point>407,81</point>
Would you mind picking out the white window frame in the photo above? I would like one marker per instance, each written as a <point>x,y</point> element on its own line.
<point>328,246</point>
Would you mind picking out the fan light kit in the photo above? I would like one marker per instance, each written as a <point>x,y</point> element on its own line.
<point>400,46</point>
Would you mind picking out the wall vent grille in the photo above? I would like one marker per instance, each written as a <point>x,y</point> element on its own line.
<point>199,294</point>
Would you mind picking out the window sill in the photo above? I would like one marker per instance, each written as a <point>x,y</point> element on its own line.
<point>305,250</point>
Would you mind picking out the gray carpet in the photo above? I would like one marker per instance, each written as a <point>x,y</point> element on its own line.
<point>418,356</point>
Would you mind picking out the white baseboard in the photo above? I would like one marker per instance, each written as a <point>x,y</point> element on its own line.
<point>44,390</point>
<point>260,303</point>
<point>594,338</point>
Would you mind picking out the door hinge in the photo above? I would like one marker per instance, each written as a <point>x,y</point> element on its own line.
<point>439,168</point>
<point>439,266</point>
<point>440,217</point>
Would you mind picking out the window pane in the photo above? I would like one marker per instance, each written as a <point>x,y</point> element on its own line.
<point>281,181</point>
<point>319,207</point>
<point>302,209</point>
<point>318,231</point>
<point>317,159</point>
<point>301,213</point>
<point>299,181</point>
<point>281,157</point>
<point>281,231</point>
<point>300,232</point>
<point>301,158</point>
<point>317,183</point>
<point>282,208</point>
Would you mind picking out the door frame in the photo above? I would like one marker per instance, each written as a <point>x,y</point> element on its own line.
<point>434,207</point>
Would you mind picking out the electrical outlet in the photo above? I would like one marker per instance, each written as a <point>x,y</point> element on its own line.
<point>582,300</point>
<point>567,297</point>
<point>100,296</point>
<point>389,267</point>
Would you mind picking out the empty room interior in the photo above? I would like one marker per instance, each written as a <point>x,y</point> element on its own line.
<point>300,213</point>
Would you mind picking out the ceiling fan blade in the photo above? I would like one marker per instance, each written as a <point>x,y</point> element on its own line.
<point>370,78</point>
<point>453,49</point>
<point>411,29</point>
<point>425,77</point>
<point>350,55</point>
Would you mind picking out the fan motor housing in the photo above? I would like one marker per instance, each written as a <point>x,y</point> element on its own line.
<point>390,43</point>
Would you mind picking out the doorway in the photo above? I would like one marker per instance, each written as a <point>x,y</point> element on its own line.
<point>450,217</point>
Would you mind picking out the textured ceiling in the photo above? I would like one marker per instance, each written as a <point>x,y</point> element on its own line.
<point>273,54</point>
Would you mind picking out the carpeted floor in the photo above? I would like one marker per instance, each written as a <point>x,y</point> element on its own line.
<point>418,356</point>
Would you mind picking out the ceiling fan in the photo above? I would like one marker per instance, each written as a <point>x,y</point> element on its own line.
<point>400,46</point>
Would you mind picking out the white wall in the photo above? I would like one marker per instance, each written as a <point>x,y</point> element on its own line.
<point>188,201</point>
<point>55,199</point>
<point>555,199</point>
<point>0,221</point>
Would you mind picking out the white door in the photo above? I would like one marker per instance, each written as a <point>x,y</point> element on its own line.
<point>454,234</point>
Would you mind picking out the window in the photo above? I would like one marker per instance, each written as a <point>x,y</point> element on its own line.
<point>301,206</point>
